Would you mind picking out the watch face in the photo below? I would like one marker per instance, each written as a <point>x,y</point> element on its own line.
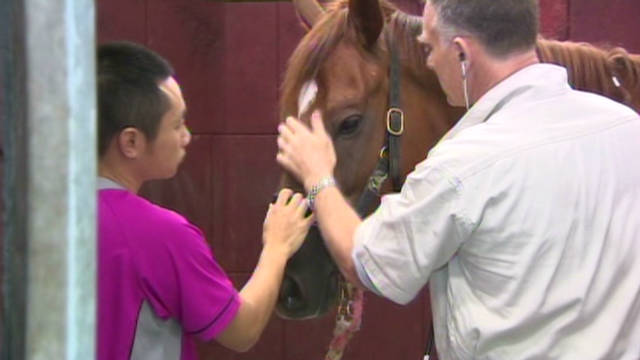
<point>310,199</point>
<point>325,182</point>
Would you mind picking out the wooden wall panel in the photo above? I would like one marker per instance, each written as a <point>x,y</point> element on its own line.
<point>121,20</point>
<point>244,179</point>
<point>611,22</point>
<point>190,192</point>
<point>250,77</point>
<point>553,19</point>
<point>190,34</point>
<point>290,31</point>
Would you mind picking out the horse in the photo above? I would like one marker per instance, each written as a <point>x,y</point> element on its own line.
<point>348,51</point>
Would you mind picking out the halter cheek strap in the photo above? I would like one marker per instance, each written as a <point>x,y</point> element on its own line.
<point>349,314</point>
<point>395,119</point>
<point>389,160</point>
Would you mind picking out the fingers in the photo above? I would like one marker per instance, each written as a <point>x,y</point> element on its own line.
<point>290,129</point>
<point>285,162</point>
<point>268,215</point>
<point>285,225</point>
<point>295,201</point>
<point>301,210</point>
<point>309,220</point>
<point>283,146</point>
<point>283,196</point>
<point>285,131</point>
<point>285,138</point>
<point>317,125</point>
<point>295,126</point>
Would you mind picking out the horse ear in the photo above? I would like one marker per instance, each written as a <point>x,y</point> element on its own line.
<point>309,11</point>
<point>367,19</point>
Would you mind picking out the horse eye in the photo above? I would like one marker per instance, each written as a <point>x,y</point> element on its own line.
<point>349,125</point>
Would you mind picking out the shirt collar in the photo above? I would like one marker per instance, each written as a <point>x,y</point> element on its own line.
<point>104,183</point>
<point>508,89</point>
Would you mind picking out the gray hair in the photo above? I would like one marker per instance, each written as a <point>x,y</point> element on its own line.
<point>504,27</point>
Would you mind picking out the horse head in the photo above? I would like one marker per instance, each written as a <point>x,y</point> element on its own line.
<point>345,59</point>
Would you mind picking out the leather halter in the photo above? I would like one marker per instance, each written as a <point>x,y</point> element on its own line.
<point>389,160</point>
<point>349,313</point>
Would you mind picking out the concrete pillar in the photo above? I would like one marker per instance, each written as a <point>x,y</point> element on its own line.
<point>49,138</point>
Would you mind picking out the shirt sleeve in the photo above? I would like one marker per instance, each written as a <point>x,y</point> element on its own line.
<point>182,280</point>
<point>411,234</point>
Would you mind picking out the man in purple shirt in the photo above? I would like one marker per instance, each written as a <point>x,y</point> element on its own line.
<point>159,287</point>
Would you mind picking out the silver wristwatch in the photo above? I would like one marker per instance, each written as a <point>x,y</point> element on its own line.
<point>325,182</point>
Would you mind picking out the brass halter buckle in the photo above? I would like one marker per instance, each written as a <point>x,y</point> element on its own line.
<point>384,152</point>
<point>390,129</point>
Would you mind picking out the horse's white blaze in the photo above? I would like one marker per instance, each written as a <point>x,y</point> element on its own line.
<point>307,96</point>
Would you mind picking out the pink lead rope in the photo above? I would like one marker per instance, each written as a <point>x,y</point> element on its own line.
<point>348,320</point>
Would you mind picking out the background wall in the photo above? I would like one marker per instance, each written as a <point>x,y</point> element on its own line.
<point>229,59</point>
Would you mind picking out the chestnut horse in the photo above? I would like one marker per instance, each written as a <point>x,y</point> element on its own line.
<point>347,52</point>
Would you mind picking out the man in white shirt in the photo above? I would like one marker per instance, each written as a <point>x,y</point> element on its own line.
<point>526,216</point>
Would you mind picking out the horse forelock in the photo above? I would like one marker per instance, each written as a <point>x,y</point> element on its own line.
<point>309,55</point>
<point>313,50</point>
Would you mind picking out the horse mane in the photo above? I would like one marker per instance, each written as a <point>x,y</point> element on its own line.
<point>613,73</point>
<point>403,30</point>
<point>306,60</point>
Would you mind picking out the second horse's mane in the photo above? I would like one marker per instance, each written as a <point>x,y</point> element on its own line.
<point>614,73</point>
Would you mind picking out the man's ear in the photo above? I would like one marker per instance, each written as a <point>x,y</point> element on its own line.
<point>131,142</point>
<point>462,47</point>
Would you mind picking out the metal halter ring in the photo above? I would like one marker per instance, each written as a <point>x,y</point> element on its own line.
<point>389,128</point>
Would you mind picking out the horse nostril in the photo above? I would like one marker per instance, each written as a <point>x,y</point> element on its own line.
<point>291,295</point>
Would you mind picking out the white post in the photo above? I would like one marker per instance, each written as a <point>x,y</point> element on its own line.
<point>49,129</point>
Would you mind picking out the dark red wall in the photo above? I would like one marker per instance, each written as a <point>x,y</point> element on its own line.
<point>229,59</point>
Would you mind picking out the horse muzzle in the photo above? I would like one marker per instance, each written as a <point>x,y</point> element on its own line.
<point>311,281</point>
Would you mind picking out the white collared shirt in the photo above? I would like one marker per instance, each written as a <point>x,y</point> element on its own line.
<point>526,221</point>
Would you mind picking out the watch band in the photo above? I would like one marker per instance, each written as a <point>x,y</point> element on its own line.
<point>324,183</point>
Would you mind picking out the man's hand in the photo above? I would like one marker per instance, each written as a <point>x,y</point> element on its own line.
<point>307,153</point>
<point>284,230</point>
<point>285,225</point>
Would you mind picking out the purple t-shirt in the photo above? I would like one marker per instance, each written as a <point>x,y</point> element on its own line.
<point>158,283</point>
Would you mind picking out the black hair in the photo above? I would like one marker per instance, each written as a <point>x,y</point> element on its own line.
<point>128,78</point>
